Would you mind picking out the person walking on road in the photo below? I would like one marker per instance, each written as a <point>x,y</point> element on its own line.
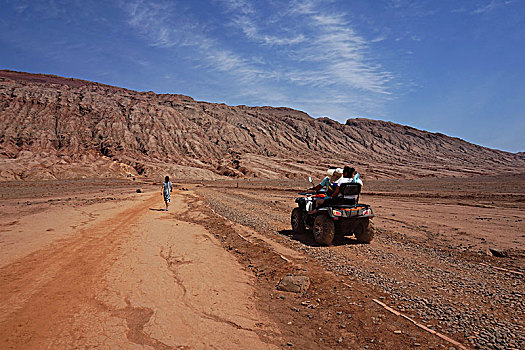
<point>167,187</point>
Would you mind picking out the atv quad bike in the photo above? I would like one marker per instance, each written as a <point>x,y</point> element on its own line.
<point>336,216</point>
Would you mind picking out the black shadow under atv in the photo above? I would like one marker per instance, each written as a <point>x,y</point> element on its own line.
<point>337,216</point>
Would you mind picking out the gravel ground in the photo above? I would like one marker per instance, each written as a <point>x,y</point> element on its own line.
<point>442,288</point>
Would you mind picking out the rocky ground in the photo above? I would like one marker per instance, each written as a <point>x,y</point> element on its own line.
<point>429,258</point>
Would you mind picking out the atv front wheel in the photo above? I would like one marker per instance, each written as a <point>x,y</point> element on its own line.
<point>297,221</point>
<point>324,230</point>
<point>364,231</point>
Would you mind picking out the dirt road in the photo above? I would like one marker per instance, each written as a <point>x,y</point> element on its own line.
<point>129,276</point>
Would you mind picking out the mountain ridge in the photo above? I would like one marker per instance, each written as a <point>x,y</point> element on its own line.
<point>54,127</point>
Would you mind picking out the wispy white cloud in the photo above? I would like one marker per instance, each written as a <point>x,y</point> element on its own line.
<point>330,51</point>
<point>158,22</point>
<point>338,54</point>
<point>490,6</point>
<point>243,18</point>
<point>303,53</point>
<point>244,7</point>
<point>43,8</point>
<point>378,39</point>
<point>20,7</point>
<point>485,8</point>
<point>458,10</point>
<point>413,8</point>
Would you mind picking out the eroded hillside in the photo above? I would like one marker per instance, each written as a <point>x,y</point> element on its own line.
<point>53,127</point>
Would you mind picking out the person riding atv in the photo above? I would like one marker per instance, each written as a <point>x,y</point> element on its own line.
<point>332,175</point>
<point>349,176</point>
<point>333,187</point>
<point>324,189</point>
<point>337,214</point>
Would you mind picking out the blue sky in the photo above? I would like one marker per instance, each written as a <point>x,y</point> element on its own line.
<point>456,67</point>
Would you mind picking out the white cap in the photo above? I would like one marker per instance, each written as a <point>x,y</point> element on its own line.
<point>331,172</point>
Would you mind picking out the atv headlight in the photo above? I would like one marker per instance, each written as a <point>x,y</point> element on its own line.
<point>336,212</point>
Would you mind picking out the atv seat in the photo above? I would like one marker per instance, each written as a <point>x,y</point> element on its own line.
<point>349,189</point>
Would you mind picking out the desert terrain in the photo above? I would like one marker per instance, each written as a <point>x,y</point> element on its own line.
<point>93,263</point>
<point>91,260</point>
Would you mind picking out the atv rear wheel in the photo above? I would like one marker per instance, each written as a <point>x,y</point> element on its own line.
<point>324,230</point>
<point>298,221</point>
<point>364,231</point>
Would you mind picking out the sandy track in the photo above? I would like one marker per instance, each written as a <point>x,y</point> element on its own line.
<point>137,277</point>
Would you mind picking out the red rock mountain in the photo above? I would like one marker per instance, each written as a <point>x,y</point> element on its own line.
<point>54,127</point>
